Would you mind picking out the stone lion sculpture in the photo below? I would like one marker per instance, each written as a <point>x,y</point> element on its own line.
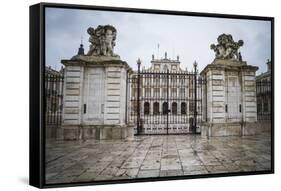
<point>227,48</point>
<point>102,40</point>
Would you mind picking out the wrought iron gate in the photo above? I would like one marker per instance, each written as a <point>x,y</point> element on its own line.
<point>53,100</point>
<point>165,102</point>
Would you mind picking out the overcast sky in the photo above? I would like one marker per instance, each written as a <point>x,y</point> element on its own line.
<point>139,34</point>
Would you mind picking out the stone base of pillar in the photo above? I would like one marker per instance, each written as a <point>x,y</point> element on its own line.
<point>98,132</point>
<point>256,128</point>
<point>130,132</point>
<point>229,129</point>
<point>221,129</point>
<point>71,132</point>
<point>264,126</point>
<point>249,129</point>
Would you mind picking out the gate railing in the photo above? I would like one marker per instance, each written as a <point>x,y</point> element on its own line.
<point>263,91</point>
<point>165,100</point>
<point>53,101</point>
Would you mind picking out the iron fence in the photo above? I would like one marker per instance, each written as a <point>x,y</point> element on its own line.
<point>263,92</point>
<point>53,100</point>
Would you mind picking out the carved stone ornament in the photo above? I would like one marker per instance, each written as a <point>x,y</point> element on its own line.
<point>102,41</point>
<point>226,48</point>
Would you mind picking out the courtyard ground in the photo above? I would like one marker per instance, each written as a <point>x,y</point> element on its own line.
<point>154,156</point>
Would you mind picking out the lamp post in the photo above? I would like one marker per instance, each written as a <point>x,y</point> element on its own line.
<point>195,96</point>
<point>138,96</point>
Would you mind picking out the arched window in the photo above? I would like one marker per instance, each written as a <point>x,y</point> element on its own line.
<point>174,108</point>
<point>165,108</point>
<point>183,108</point>
<point>146,108</point>
<point>155,108</point>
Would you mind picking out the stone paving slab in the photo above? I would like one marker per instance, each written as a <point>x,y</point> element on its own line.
<point>154,156</point>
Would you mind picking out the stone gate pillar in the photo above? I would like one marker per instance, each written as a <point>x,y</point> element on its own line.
<point>230,92</point>
<point>95,91</point>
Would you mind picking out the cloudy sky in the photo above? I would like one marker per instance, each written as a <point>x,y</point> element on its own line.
<point>139,34</point>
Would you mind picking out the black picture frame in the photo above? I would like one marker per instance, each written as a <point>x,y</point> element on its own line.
<point>37,102</point>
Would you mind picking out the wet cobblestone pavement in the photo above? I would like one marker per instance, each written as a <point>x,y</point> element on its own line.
<point>154,156</point>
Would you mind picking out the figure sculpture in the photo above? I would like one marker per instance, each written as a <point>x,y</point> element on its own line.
<point>227,48</point>
<point>102,40</point>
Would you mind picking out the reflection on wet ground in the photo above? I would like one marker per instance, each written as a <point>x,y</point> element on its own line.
<point>155,156</point>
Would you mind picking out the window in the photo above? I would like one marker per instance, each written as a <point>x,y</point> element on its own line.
<point>156,80</point>
<point>164,92</point>
<point>155,108</point>
<point>134,107</point>
<point>191,107</point>
<point>174,108</point>
<point>165,108</point>
<point>174,92</point>
<point>146,108</point>
<point>146,80</point>
<point>147,92</point>
<point>183,108</point>
<point>174,80</point>
<point>182,92</point>
<point>134,92</point>
<point>182,80</point>
<point>191,92</point>
<point>157,67</point>
<point>156,92</point>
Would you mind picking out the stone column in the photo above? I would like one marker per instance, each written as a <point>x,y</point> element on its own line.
<point>250,100</point>
<point>115,101</point>
<point>72,100</point>
<point>230,98</point>
<point>95,98</point>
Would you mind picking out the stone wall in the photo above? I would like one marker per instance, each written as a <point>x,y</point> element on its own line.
<point>95,99</point>
<point>72,101</point>
<point>115,90</point>
<point>249,96</point>
<point>230,98</point>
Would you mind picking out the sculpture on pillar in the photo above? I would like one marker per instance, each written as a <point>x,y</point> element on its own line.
<point>102,40</point>
<point>226,48</point>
